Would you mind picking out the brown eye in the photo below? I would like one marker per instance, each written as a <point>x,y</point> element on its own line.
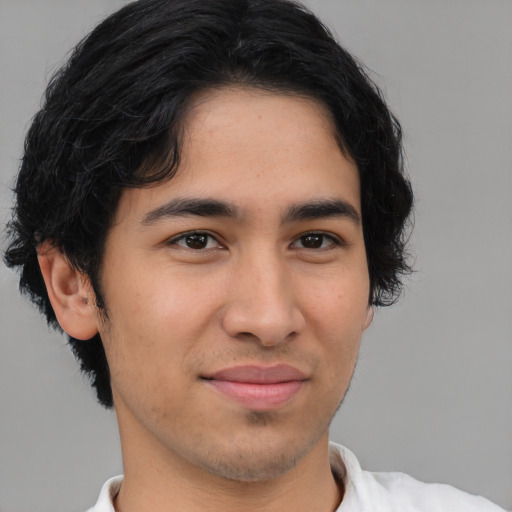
<point>313,241</point>
<point>198,241</point>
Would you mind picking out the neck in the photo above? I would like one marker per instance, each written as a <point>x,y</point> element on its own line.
<point>156,481</point>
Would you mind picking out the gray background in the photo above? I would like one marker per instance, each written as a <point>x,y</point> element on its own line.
<point>432,394</point>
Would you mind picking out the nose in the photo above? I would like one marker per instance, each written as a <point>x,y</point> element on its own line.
<point>263,304</point>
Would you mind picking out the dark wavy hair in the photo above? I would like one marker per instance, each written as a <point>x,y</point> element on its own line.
<point>112,119</point>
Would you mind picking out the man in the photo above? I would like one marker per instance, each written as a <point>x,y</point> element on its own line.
<point>210,204</point>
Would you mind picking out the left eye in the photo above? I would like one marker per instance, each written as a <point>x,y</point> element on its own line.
<point>196,241</point>
<point>315,241</point>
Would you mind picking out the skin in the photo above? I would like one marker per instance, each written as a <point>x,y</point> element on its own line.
<point>249,289</point>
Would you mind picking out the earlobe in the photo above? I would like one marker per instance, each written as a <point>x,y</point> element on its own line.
<point>369,317</point>
<point>69,291</point>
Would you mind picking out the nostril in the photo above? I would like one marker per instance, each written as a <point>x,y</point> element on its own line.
<point>246,335</point>
<point>258,318</point>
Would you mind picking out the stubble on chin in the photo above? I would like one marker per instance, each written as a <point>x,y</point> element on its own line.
<point>260,460</point>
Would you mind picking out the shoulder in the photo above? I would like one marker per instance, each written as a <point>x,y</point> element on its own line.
<point>410,494</point>
<point>108,492</point>
<point>398,492</point>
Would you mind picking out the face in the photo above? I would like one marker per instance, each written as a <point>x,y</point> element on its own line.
<point>237,292</point>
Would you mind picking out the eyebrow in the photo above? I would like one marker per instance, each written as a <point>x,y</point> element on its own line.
<point>185,207</point>
<point>319,209</point>
<point>207,207</point>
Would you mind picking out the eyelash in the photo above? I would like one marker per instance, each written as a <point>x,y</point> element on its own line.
<point>333,240</point>
<point>184,236</point>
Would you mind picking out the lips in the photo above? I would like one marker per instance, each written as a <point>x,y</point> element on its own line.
<point>258,388</point>
<point>259,375</point>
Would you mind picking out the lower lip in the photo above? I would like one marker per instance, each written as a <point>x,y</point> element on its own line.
<point>258,396</point>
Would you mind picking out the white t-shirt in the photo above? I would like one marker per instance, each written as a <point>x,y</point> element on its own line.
<point>367,492</point>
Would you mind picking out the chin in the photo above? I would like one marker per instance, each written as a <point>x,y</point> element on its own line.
<point>250,469</point>
<point>257,461</point>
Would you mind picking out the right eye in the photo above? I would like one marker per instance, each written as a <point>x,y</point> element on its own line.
<point>196,240</point>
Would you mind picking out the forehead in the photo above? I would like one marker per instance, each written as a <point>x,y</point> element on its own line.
<point>256,123</point>
<point>237,110</point>
<point>247,145</point>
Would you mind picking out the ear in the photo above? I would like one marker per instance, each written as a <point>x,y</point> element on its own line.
<point>369,317</point>
<point>69,291</point>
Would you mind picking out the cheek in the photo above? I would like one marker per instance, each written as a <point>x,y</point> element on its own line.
<point>156,318</point>
<point>336,314</point>
<point>339,304</point>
